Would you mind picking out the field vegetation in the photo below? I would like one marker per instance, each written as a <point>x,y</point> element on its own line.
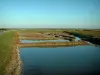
<point>6,47</point>
<point>89,35</point>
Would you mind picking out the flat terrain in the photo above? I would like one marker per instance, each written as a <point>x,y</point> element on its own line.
<point>7,40</point>
<point>95,33</point>
<point>35,36</point>
<point>48,35</point>
<point>44,34</point>
<point>53,44</point>
<point>6,47</point>
<point>92,36</point>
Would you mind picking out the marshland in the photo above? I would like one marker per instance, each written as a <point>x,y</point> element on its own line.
<point>49,37</point>
<point>48,51</point>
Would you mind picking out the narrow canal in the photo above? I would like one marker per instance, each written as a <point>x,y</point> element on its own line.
<point>76,60</point>
<point>35,41</point>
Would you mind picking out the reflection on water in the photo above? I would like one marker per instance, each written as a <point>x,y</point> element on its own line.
<point>33,70</point>
<point>58,40</point>
<point>78,60</point>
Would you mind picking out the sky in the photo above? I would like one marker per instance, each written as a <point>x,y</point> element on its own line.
<point>50,14</point>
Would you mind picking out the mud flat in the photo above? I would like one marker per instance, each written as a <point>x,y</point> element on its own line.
<point>36,38</point>
<point>53,44</point>
<point>45,36</point>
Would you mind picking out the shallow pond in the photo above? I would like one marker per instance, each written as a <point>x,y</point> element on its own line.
<point>58,40</point>
<point>35,41</point>
<point>76,60</point>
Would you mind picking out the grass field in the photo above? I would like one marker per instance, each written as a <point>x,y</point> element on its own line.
<point>92,36</point>
<point>92,32</point>
<point>95,33</point>
<point>6,47</point>
<point>40,30</point>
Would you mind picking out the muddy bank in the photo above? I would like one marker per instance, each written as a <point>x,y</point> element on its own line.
<point>14,66</point>
<point>53,44</point>
<point>37,38</point>
<point>90,37</point>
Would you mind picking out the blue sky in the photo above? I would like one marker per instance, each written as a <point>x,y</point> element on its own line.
<point>50,13</point>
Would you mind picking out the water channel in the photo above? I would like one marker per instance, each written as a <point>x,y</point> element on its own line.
<point>76,60</point>
<point>35,41</point>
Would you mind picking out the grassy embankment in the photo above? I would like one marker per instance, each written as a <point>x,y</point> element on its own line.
<point>53,44</point>
<point>6,47</point>
<point>89,35</point>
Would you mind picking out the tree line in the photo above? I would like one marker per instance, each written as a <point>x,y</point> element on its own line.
<point>3,29</point>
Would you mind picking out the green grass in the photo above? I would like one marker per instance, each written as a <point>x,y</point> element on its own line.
<point>85,32</point>
<point>41,30</point>
<point>6,47</point>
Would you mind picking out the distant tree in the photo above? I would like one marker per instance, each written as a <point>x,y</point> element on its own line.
<point>3,29</point>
